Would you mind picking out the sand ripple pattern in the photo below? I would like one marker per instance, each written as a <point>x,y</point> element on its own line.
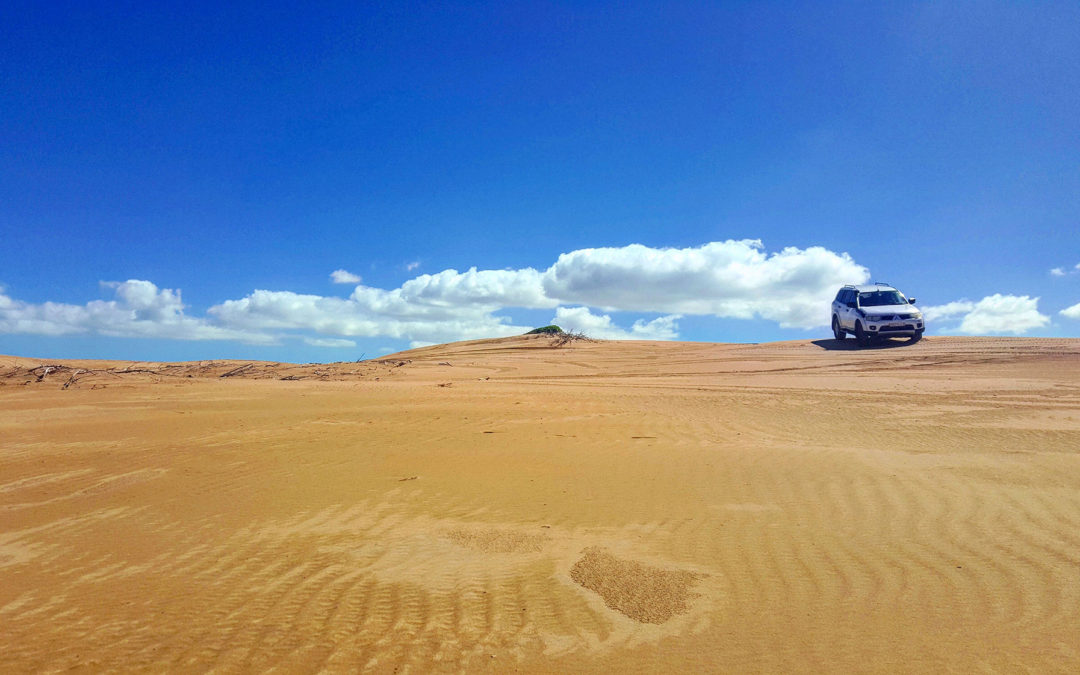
<point>643,507</point>
<point>365,586</point>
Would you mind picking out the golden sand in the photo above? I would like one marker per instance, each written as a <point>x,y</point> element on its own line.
<point>504,505</point>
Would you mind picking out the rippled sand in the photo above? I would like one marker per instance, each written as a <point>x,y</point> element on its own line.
<point>505,505</point>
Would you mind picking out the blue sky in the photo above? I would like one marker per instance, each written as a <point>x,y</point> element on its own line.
<point>181,181</point>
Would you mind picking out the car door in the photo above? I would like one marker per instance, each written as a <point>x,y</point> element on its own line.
<point>845,312</point>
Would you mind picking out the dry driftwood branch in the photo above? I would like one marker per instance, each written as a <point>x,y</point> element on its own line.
<point>563,339</point>
<point>46,370</point>
<point>238,370</point>
<point>74,378</point>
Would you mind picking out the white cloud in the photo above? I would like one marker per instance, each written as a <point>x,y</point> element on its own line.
<point>450,288</point>
<point>947,311</point>
<point>1004,314</point>
<point>409,267</point>
<point>368,312</point>
<point>140,309</point>
<point>336,343</point>
<point>998,313</point>
<point>1061,271</point>
<point>580,319</point>
<point>344,277</point>
<point>729,279</point>
<point>1072,312</point>
<point>734,279</point>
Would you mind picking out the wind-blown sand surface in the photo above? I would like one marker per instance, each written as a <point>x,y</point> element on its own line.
<point>506,505</point>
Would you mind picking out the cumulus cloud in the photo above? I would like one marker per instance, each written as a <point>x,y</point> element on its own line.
<point>472,288</point>
<point>409,267</point>
<point>580,319</point>
<point>1057,272</point>
<point>998,313</point>
<point>368,312</point>
<point>1004,314</point>
<point>947,311</point>
<point>1072,312</point>
<point>728,279</point>
<point>344,277</point>
<point>140,309</point>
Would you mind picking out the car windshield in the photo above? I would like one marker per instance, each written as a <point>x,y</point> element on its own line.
<point>881,298</point>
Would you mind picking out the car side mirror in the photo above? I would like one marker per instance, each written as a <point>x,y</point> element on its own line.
<point>911,301</point>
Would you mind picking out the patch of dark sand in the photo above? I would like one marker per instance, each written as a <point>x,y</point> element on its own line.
<point>644,593</point>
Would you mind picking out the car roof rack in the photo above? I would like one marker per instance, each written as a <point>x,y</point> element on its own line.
<point>865,288</point>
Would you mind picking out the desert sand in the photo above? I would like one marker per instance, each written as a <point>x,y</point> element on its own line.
<point>507,505</point>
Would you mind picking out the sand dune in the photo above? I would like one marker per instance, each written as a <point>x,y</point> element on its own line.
<point>505,505</point>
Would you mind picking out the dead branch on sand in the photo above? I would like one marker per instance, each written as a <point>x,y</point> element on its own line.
<point>569,337</point>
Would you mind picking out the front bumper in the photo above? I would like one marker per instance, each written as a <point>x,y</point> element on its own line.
<point>896,329</point>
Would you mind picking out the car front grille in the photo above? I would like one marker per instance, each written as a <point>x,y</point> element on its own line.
<point>891,317</point>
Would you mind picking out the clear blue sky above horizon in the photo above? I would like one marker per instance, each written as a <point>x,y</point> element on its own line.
<point>181,181</point>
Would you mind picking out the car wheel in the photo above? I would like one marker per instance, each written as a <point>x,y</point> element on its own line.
<point>838,332</point>
<point>916,337</point>
<point>860,335</point>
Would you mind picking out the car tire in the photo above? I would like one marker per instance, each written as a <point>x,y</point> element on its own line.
<point>860,335</point>
<point>916,337</point>
<point>838,332</point>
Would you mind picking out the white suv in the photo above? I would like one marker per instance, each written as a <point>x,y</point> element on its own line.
<point>873,311</point>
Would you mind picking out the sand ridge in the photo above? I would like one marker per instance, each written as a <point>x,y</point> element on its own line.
<point>798,506</point>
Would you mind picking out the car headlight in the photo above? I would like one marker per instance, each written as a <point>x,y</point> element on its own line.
<point>916,315</point>
<point>878,317</point>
